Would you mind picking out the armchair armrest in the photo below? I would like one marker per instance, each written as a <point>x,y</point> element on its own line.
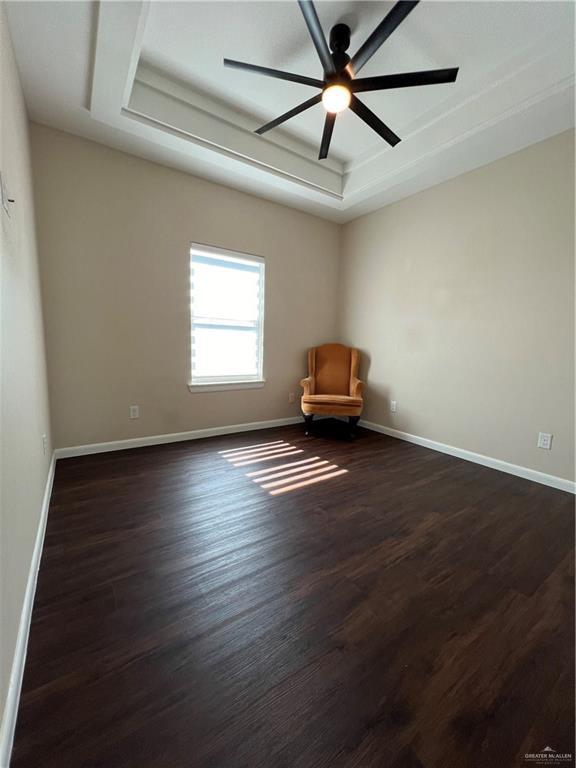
<point>356,387</point>
<point>307,385</point>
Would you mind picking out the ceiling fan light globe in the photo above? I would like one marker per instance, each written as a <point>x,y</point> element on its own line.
<point>336,98</point>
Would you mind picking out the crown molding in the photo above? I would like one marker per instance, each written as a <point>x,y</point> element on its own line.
<point>166,115</point>
<point>119,35</point>
<point>525,99</point>
<point>500,82</point>
<point>201,100</point>
<point>197,125</point>
<point>171,132</point>
<point>516,86</point>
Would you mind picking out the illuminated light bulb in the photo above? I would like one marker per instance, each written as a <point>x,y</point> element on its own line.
<point>336,98</point>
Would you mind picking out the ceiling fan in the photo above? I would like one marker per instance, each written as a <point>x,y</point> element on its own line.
<point>340,83</point>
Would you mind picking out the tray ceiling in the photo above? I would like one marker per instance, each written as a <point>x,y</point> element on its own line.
<point>148,78</point>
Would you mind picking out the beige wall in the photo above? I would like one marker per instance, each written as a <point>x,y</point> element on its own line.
<point>23,390</point>
<point>114,233</point>
<point>463,298</point>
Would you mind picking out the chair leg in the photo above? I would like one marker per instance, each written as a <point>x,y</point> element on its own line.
<point>308,417</point>
<point>353,421</point>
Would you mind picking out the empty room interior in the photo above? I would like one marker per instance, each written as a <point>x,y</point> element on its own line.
<point>287,395</point>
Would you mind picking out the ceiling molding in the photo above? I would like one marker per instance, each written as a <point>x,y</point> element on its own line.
<point>522,129</point>
<point>531,83</point>
<point>152,77</point>
<point>536,57</point>
<point>512,96</point>
<point>167,115</point>
<point>173,132</point>
<point>566,87</point>
<point>119,36</point>
<point>199,124</point>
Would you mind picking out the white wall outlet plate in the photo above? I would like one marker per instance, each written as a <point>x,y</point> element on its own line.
<point>291,397</point>
<point>393,406</point>
<point>134,411</point>
<point>545,441</point>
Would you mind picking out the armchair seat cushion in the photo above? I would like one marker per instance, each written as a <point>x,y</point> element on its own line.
<point>332,400</point>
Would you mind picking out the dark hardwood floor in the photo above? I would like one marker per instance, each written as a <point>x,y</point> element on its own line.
<point>415,611</point>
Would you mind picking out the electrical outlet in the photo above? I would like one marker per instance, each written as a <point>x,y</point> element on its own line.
<point>545,441</point>
<point>393,406</point>
<point>290,397</point>
<point>44,444</point>
<point>134,411</point>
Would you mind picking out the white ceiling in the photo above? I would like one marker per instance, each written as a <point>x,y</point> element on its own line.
<point>189,41</point>
<point>148,78</point>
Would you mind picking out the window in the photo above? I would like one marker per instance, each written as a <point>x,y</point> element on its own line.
<point>227,317</point>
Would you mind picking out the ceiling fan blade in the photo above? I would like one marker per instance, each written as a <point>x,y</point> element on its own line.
<point>382,32</point>
<point>373,121</point>
<point>274,73</point>
<point>405,80</point>
<point>317,35</point>
<point>327,135</point>
<point>292,113</point>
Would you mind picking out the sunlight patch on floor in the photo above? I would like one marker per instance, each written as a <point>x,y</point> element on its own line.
<point>294,470</point>
<point>283,477</point>
<point>257,451</point>
<point>282,466</point>
<point>304,483</point>
<point>260,459</point>
<point>252,447</point>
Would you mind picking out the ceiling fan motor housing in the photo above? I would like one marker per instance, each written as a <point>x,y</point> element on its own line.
<point>339,44</point>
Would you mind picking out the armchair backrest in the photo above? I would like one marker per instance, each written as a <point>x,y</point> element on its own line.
<point>331,367</point>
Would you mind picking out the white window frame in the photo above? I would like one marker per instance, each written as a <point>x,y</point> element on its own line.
<point>222,383</point>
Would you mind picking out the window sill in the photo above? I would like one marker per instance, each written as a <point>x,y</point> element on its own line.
<point>196,388</point>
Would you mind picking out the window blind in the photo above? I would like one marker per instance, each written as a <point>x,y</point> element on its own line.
<point>227,313</point>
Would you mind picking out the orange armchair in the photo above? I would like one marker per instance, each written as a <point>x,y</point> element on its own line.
<point>332,385</point>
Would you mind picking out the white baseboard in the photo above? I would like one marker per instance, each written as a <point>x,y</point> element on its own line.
<point>477,458</point>
<point>175,437</point>
<point>17,672</point>
<point>487,461</point>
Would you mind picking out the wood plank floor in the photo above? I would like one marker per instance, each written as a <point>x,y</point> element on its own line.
<point>415,611</point>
